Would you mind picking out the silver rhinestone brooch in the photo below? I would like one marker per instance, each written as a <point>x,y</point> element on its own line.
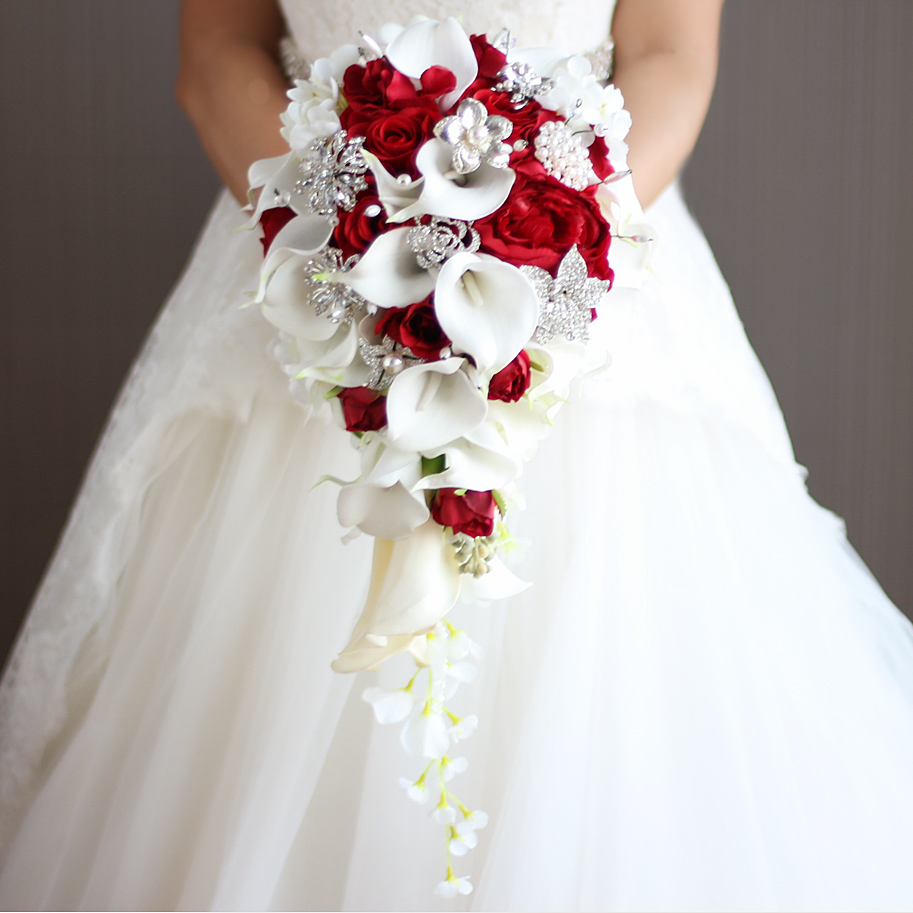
<point>436,242</point>
<point>565,302</point>
<point>476,136</point>
<point>386,361</point>
<point>332,174</point>
<point>334,300</point>
<point>524,85</point>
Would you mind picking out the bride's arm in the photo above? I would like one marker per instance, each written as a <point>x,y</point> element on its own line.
<point>230,84</point>
<point>665,65</point>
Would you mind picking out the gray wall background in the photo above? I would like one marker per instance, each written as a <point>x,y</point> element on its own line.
<point>802,180</point>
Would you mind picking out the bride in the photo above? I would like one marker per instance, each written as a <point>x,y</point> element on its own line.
<point>703,702</point>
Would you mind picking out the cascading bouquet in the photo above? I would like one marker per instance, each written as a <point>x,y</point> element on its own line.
<point>437,243</point>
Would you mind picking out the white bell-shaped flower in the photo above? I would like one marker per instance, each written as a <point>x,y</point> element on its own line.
<point>426,735</point>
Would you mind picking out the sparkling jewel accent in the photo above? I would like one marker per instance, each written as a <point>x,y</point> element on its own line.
<point>332,174</point>
<point>602,59</point>
<point>438,241</point>
<point>524,85</point>
<point>563,155</point>
<point>334,300</point>
<point>565,302</point>
<point>386,361</point>
<point>476,136</point>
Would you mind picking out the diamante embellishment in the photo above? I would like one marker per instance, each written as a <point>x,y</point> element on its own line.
<point>563,155</point>
<point>524,85</point>
<point>476,136</point>
<point>440,239</point>
<point>332,174</point>
<point>386,361</point>
<point>565,302</point>
<point>334,300</point>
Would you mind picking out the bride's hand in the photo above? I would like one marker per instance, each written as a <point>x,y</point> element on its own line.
<point>230,84</point>
<point>665,65</point>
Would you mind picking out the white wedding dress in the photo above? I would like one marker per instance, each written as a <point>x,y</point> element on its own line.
<point>704,701</point>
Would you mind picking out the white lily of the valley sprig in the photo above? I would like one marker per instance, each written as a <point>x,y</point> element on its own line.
<point>425,43</point>
<point>487,308</point>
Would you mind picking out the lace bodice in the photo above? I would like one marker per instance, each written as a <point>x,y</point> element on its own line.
<point>318,26</point>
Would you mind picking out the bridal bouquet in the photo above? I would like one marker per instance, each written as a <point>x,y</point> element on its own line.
<point>438,240</point>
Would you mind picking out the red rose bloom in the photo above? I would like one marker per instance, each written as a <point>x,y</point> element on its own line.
<point>599,158</point>
<point>415,326</point>
<point>272,221</point>
<point>395,135</point>
<point>541,221</point>
<point>363,409</point>
<point>472,513</point>
<point>512,381</point>
<point>356,229</point>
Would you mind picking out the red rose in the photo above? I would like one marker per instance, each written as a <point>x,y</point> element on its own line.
<point>359,228</point>
<point>511,382</point>
<point>395,135</point>
<point>491,61</point>
<point>472,513</point>
<point>415,326</point>
<point>272,221</point>
<point>375,84</point>
<point>363,409</point>
<point>541,221</point>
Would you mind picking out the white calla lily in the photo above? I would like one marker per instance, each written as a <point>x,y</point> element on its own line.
<point>384,465</point>
<point>388,274</point>
<point>522,425</point>
<point>327,359</point>
<point>488,308</point>
<point>479,461</point>
<point>431,404</point>
<point>395,193</point>
<point>303,236</point>
<point>456,196</point>
<point>498,583</point>
<point>425,43</point>
<point>559,363</point>
<point>387,513</point>
<point>287,304</point>
<point>414,583</point>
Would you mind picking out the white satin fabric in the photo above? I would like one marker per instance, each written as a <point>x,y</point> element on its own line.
<point>703,702</point>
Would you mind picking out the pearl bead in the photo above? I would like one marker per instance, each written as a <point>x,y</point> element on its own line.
<point>392,364</point>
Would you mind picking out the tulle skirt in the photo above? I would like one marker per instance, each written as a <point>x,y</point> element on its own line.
<point>704,701</point>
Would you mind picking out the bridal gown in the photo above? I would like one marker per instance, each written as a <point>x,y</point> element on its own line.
<point>704,701</point>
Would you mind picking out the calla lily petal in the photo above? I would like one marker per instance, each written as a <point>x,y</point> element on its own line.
<point>425,43</point>
<point>388,513</point>
<point>473,196</point>
<point>498,583</point>
<point>431,404</point>
<point>386,465</point>
<point>395,195</point>
<point>388,274</point>
<point>488,308</point>
<point>480,461</point>
<point>325,359</point>
<point>302,236</point>
<point>287,304</point>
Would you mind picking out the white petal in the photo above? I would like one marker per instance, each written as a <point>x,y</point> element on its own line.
<point>394,195</point>
<point>391,513</point>
<point>487,308</point>
<point>431,404</point>
<point>287,304</point>
<point>473,196</point>
<point>388,273</point>
<point>390,706</point>
<point>479,461</point>
<point>426,735</point>
<point>498,583</point>
<point>426,43</point>
<point>302,236</point>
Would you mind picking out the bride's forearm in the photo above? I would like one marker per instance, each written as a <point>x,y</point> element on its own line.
<point>230,84</point>
<point>665,65</point>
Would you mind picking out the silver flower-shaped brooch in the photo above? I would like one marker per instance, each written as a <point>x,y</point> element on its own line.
<point>476,137</point>
<point>565,302</point>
